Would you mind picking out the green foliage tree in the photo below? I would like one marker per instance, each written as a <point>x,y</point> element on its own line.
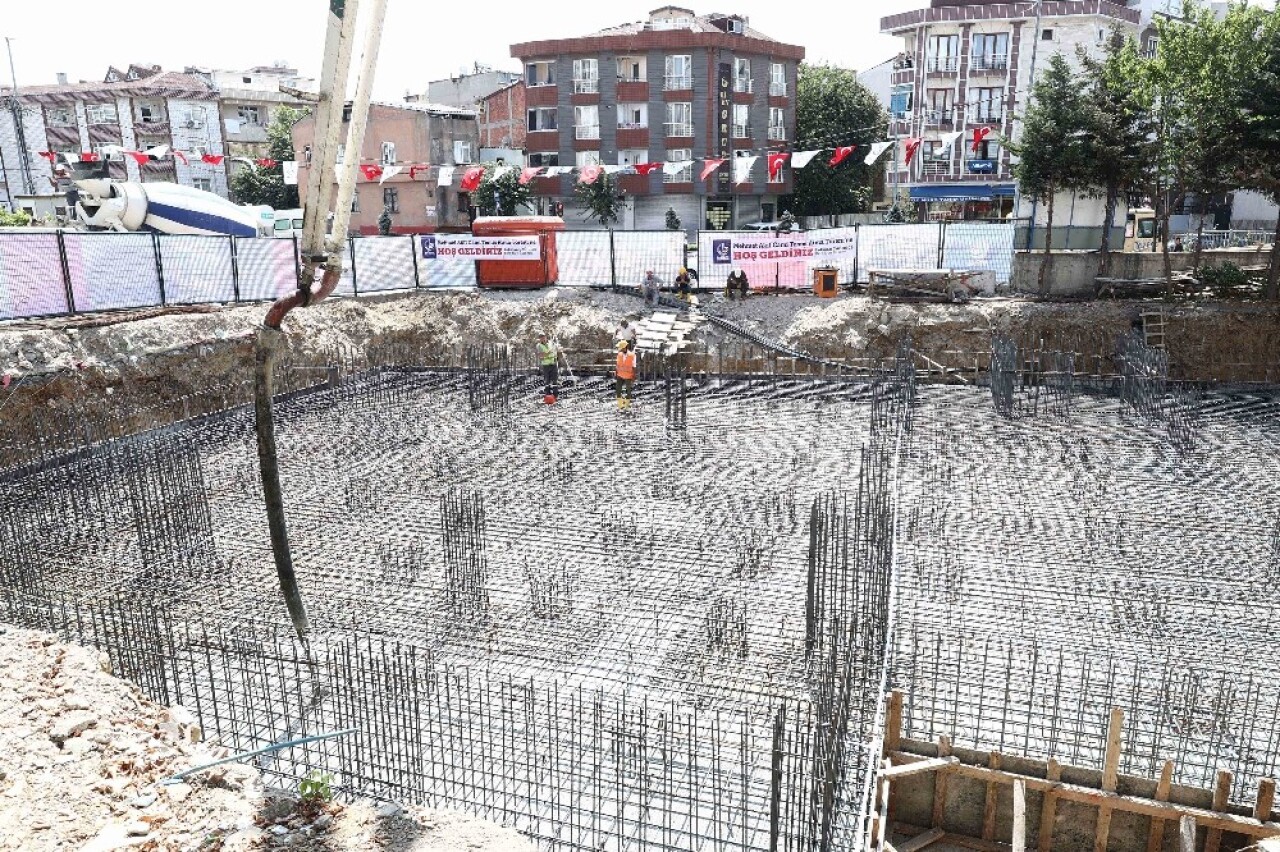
<point>16,219</point>
<point>1052,151</point>
<point>601,199</point>
<point>673,221</point>
<point>257,185</point>
<point>501,196</point>
<point>1118,147</point>
<point>833,108</point>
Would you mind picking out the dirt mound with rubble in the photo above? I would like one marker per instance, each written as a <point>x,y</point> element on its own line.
<point>83,756</point>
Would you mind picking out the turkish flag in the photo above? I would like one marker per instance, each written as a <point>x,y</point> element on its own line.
<point>776,162</point>
<point>471,179</point>
<point>181,156</point>
<point>709,166</point>
<point>212,159</point>
<point>139,157</point>
<point>267,164</point>
<point>979,135</point>
<point>647,168</point>
<point>413,171</point>
<point>842,153</point>
<point>589,174</point>
<point>371,172</point>
<point>529,174</point>
<point>52,158</point>
<point>89,157</point>
<point>911,146</point>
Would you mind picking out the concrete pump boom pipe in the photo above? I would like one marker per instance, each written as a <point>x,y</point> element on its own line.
<point>333,87</point>
<point>355,132</point>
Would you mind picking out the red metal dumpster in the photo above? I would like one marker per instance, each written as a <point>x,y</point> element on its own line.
<point>526,274</point>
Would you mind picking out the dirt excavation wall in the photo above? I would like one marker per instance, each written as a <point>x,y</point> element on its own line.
<point>161,363</point>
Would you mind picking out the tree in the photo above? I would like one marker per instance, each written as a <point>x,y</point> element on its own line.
<point>1118,146</point>
<point>833,108</point>
<point>673,221</point>
<point>1051,152</point>
<point>16,219</point>
<point>502,195</point>
<point>384,222</point>
<point>259,185</point>
<point>601,199</point>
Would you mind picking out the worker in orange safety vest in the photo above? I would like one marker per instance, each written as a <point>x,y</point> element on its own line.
<point>626,372</point>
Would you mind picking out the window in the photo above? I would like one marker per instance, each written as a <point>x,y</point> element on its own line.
<point>101,113</point>
<point>1151,45</point>
<point>544,159</point>
<point>679,155</point>
<point>988,149</point>
<point>679,119</point>
<point>540,74</point>
<point>990,52</point>
<point>632,156</point>
<point>246,79</point>
<point>193,118</point>
<point>631,69</point>
<point>777,79</point>
<point>743,172</point>
<point>150,113</point>
<point>61,117</point>
<point>777,124</point>
<point>940,101</point>
<point>742,75</point>
<point>679,73</point>
<point>986,105</point>
<point>943,53</point>
<point>391,200</point>
<point>388,154</point>
<point>586,122</point>
<point>202,183</point>
<point>542,118</point>
<point>633,116</point>
<point>342,153</point>
<point>355,202</point>
<point>587,158</point>
<point>901,100</point>
<point>199,147</point>
<point>741,121</point>
<point>249,115</point>
<point>461,152</point>
<point>1046,35</point>
<point>586,76</point>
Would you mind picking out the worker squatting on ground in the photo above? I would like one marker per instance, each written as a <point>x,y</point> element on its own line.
<point>649,288</point>
<point>626,372</point>
<point>736,284</point>
<point>626,332</point>
<point>548,357</point>
<point>684,285</point>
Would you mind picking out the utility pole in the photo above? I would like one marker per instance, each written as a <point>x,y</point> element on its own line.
<point>1031,81</point>
<point>19,131</point>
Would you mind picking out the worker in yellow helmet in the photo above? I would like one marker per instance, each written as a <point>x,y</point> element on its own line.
<point>626,373</point>
<point>684,284</point>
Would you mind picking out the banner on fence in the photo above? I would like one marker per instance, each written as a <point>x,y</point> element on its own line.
<point>753,248</point>
<point>481,248</point>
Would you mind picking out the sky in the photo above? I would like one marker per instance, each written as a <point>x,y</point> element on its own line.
<point>423,40</point>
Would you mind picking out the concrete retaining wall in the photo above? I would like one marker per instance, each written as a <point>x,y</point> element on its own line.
<point>1073,273</point>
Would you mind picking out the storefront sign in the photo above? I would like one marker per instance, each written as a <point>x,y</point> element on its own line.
<point>767,247</point>
<point>724,134</point>
<point>448,246</point>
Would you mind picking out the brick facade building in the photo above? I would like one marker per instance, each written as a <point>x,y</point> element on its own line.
<point>677,86</point>
<point>502,120</point>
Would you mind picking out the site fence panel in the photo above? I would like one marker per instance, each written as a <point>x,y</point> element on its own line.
<point>583,257</point>
<point>112,271</point>
<point>385,263</point>
<point>636,252</point>
<point>31,280</point>
<point>979,245</point>
<point>897,247</point>
<point>347,284</point>
<point>197,269</point>
<point>455,272</point>
<point>268,268</point>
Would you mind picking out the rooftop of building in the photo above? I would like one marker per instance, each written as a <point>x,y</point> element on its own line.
<point>957,11</point>
<point>154,82</point>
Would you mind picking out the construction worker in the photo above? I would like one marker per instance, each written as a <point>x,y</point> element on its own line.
<point>626,372</point>
<point>684,285</point>
<point>548,356</point>
<point>626,332</point>
<point>736,284</point>
<point>649,288</point>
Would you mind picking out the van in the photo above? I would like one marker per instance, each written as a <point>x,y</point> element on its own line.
<point>288,224</point>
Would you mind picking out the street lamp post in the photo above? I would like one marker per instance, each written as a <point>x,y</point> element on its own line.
<point>19,131</point>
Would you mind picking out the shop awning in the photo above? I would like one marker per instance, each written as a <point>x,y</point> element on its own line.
<point>953,192</point>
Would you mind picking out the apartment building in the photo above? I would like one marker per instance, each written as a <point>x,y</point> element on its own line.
<point>968,64</point>
<point>248,103</point>
<point>420,138</point>
<point>137,108</point>
<point>675,87</point>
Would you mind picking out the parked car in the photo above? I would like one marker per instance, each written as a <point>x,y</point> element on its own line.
<point>768,226</point>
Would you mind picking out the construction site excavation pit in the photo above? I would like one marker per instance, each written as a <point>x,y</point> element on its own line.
<point>672,628</point>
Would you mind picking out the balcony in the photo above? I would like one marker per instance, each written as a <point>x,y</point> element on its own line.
<point>677,83</point>
<point>631,125</point>
<point>942,64</point>
<point>586,87</point>
<point>777,90</point>
<point>586,131</point>
<point>744,86</point>
<point>936,168</point>
<point>632,90</point>
<point>989,64</point>
<point>777,134</point>
<point>678,129</point>
<point>986,116</point>
<point>939,118</point>
<point>741,131</point>
<point>981,167</point>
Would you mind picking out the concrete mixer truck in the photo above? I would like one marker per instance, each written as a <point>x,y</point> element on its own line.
<point>167,208</point>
